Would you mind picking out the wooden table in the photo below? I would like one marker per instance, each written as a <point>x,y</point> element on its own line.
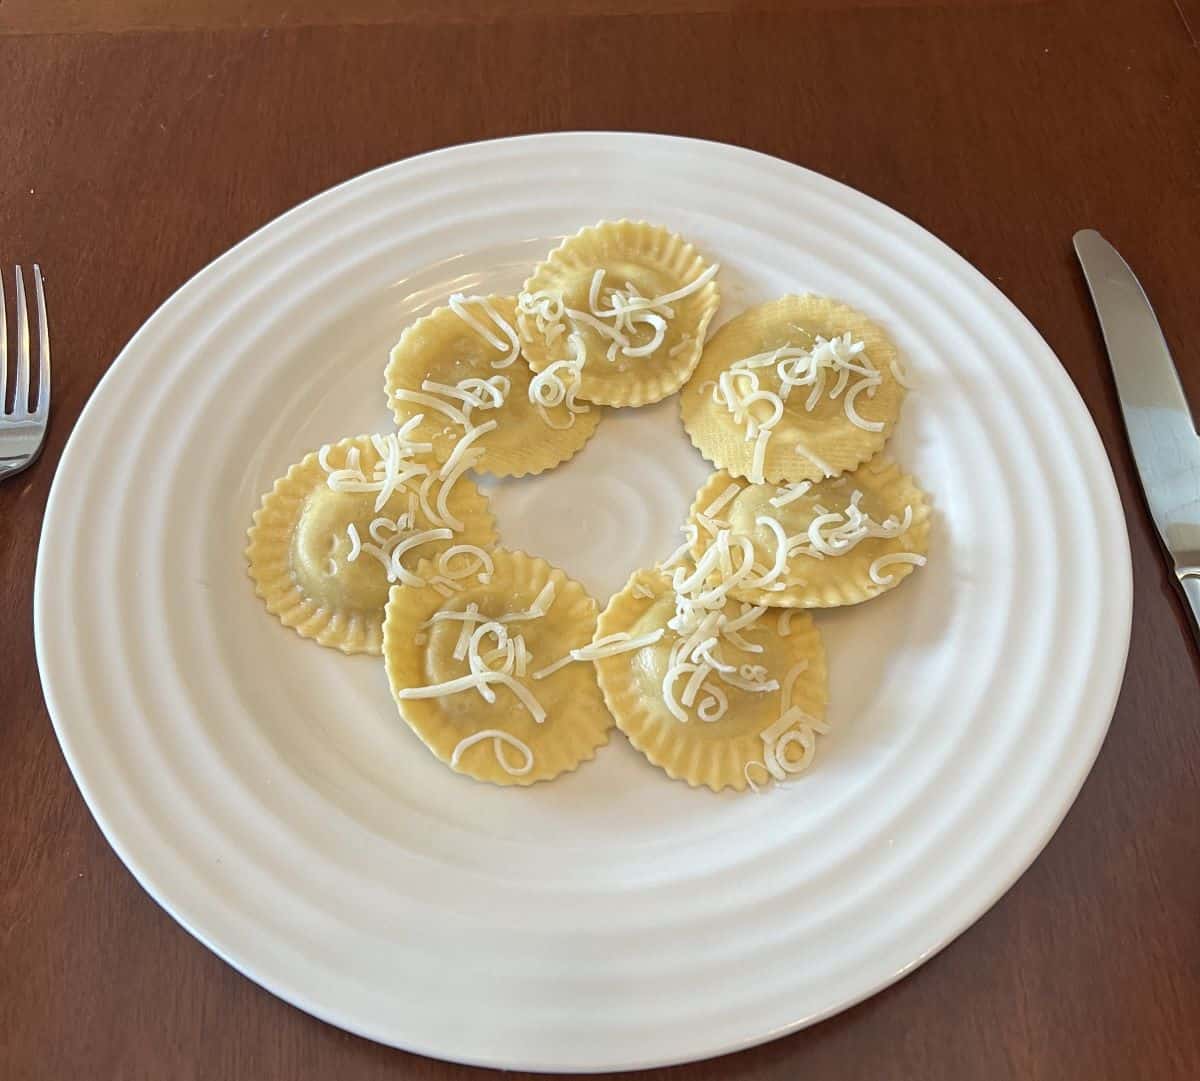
<point>140,138</point>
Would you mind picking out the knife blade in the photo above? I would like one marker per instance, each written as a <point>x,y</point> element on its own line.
<point>1162,433</point>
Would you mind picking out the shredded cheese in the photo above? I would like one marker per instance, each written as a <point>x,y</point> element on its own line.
<point>481,676</point>
<point>510,345</point>
<point>750,780</point>
<point>443,507</point>
<point>423,494</point>
<point>779,567</point>
<point>852,412</point>
<point>393,470</point>
<point>549,389</point>
<point>482,566</point>
<point>628,314</point>
<point>789,493</point>
<point>457,403</point>
<point>794,727</point>
<point>430,402</point>
<point>471,617</point>
<point>609,646</point>
<point>472,392</point>
<point>682,552</point>
<point>876,568</point>
<point>834,533</point>
<point>739,388</point>
<point>728,494</point>
<point>461,448</point>
<point>398,571</point>
<point>499,740</point>
<point>803,448</point>
<point>542,604</point>
<point>355,543</point>
<point>523,655</point>
<point>702,627</point>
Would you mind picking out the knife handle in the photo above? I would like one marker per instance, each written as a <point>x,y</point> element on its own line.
<point>1191,590</point>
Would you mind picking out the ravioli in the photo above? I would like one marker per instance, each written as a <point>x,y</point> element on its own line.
<point>738,729</point>
<point>344,523</point>
<point>819,544</point>
<point>460,369</point>
<point>485,676</point>
<point>801,388</point>
<point>621,309</point>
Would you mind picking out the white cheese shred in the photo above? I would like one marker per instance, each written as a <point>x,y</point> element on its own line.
<point>876,568</point>
<point>750,780</point>
<point>789,493</point>
<point>609,646</point>
<point>840,358</point>
<point>462,447</point>
<point>542,604</point>
<point>728,494</point>
<point>628,314</point>
<point>558,383</point>
<point>427,536</point>
<point>696,669</point>
<point>481,675</point>
<point>483,564</point>
<point>393,470</point>
<point>430,402</point>
<point>443,497</point>
<point>499,741</point>
<point>468,626</point>
<point>509,345</point>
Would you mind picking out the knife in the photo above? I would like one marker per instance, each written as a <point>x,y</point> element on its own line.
<point>1162,433</point>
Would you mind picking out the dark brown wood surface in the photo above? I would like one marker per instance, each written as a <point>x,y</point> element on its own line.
<point>140,138</point>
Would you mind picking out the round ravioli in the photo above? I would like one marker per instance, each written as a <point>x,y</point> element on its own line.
<point>460,368</point>
<point>624,307</point>
<point>732,737</point>
<point>823,544</point>
<point>485,678</point>
<point>798,389</point>
<point>344,523</point>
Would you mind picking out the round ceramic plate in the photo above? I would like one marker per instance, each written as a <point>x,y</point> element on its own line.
<point>264,790</point>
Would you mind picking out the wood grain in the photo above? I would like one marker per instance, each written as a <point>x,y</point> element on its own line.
<point>141,139</point>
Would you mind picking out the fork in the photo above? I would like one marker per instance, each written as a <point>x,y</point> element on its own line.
<point>22,430</point>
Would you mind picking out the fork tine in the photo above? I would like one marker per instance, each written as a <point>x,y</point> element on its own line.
<point>3,352</point>
<point>21,389</point>
<point>43,398</point>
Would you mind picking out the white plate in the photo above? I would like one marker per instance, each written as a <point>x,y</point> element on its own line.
<point>264,790</point>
